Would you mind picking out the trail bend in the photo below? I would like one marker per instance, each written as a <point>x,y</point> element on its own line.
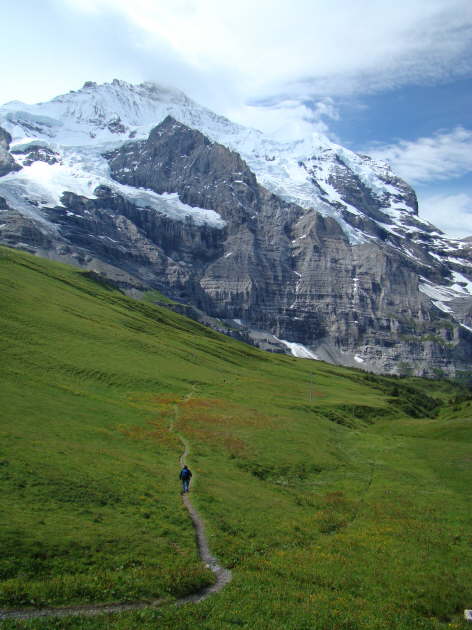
<point>223,575</point>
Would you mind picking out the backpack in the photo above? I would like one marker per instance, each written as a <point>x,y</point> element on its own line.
<point>185,474</point>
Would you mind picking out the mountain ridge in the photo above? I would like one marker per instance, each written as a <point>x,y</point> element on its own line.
<point>322,254</point>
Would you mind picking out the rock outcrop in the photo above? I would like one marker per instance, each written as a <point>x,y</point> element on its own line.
<point>333,262</point>
<point>7,161</point>
<point>290,271</point>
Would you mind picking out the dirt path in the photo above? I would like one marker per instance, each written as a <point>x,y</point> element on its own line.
<point>223,576</point>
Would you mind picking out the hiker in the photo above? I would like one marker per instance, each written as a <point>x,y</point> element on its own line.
<point>185,475</point>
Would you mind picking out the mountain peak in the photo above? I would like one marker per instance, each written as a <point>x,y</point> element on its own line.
<point>335,258</point>
<point>313,173</point>
<point>146,89</point>
<point>100,113</point>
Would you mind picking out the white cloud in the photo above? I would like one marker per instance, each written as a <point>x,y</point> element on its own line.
<point>443,156</point>
<point>309,45</point>
<point>227,55</point>
<point>287,119</point>
<point>451,213</point>
<point>89,6</point>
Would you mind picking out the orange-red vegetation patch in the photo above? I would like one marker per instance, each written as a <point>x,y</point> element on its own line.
<point>201,403</point>
<point>221,412</point>
<point>158,433</point>
<point>198,434</point>
<point>167,399</point>
<point>235,446</point>
<point>217,422</point>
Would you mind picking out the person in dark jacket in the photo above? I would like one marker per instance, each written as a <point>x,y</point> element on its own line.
<point>185,476</point>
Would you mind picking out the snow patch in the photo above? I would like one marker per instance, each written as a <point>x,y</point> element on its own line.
<point>173,206</point>
<point>97,118</point>
<point>459,261</point>
<point>80,171</point>
<point>440,295</point>
<point>461,283</point>
<point>111,113</point>
<point>299,350</point>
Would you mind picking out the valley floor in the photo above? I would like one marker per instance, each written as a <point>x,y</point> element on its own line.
<point>339,499</point>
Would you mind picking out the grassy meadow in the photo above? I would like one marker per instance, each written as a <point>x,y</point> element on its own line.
<point>339,499</point>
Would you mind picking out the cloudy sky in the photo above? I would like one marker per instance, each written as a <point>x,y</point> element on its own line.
<point>390,79</point>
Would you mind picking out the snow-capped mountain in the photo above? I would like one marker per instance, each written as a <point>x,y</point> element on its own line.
<point>151,188</point>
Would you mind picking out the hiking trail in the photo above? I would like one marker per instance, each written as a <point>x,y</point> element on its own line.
<point>223,576</point>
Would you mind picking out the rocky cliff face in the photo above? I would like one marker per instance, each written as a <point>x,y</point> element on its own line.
<point>334,264</point>
<point>7,161</point>
<point>290,271</point>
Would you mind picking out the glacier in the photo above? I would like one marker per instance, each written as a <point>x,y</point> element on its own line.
<point>62,146</point>
<point>82,125</point>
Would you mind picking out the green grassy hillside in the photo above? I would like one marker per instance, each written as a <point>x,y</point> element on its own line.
<point>341,500</point>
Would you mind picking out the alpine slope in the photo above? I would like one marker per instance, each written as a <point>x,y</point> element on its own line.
<point>64,146</point>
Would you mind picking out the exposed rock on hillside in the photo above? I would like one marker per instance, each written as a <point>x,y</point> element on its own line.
<point>292,271</point>
<point>7,161</point>
<point>303,247</point>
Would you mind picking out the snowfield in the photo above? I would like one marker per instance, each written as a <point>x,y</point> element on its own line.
<point>77,128</point>
<point>83,124</point>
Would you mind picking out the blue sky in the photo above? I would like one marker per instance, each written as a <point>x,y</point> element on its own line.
<point>412,110</point>
<point>390,79</point>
